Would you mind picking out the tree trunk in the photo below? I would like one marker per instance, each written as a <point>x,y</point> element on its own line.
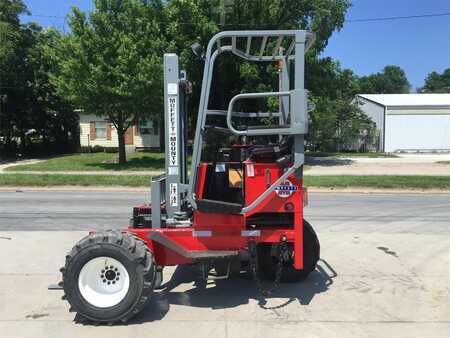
<point>121,138</point>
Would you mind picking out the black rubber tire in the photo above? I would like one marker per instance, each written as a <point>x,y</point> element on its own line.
<point>129,250</point>
<point>267,264</point>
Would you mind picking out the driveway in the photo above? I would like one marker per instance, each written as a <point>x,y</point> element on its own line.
<point>405,164</point>
<point>384,273</point>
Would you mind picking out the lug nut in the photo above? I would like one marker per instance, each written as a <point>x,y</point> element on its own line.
<point>104,281</point>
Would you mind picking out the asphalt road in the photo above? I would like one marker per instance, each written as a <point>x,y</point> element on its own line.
<point>338,212</point>
<point>384,272</point>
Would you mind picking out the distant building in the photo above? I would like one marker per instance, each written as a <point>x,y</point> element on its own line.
<point>409,122</point>
<point>98,131</point>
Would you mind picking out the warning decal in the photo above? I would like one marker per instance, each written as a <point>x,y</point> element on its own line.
<point>173,194</point>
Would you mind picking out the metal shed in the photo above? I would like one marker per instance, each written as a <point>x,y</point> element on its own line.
<point>409,122</point>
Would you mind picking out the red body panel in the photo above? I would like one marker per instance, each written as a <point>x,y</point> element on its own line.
<point>224,231</point>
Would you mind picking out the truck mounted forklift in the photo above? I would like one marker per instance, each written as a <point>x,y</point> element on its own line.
<point>240,210</point>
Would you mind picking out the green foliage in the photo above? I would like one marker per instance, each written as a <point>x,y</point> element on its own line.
<point>111,62</point>
<point>197,21</point>
<point>32,117</point>
<point>437,83</point>
<point>338,125</point>
<point>392,80</point>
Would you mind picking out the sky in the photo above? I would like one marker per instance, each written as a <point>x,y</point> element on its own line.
<point>418,45</point>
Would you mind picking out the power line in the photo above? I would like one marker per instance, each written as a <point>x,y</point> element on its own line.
<point>46,16</point>
<point>391,18</point>
<point>388,18</point>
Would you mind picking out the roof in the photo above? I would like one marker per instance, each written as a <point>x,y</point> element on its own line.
<point>409,100</point>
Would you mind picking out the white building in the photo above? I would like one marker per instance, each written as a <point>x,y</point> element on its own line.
<point>409,122</point>
<point>97,131</point>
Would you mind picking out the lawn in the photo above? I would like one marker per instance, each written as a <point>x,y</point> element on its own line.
<point>350,154</point>
<point>443,162</point>
<point>387,182</point>
<point>138,161</point>
<point>96,161</point>
<point>51,180</point>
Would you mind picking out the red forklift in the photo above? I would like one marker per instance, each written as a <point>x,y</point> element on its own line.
<point>240,210</point>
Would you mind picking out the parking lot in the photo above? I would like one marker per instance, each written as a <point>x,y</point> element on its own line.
<point>385,271</point>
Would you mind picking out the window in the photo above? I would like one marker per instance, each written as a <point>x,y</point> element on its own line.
<point>146,127</point>
<point>100,129</point>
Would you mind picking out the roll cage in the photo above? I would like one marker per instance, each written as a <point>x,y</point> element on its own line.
<point>292,116</point>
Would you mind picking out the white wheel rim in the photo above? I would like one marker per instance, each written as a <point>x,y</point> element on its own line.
<point>103,282</point>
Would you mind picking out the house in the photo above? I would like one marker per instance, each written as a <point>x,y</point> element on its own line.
<point>98,131</point>
<point>409,122</point>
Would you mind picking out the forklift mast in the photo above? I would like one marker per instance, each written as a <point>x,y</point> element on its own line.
<point>170,188</point>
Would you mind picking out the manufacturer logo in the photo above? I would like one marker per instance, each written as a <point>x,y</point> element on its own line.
<point>285,189</point>
<point>172,128</point>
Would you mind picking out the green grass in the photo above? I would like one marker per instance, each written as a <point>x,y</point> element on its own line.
<point>388,182</point>
<point>50,180</point>
<point>136,161</point>
<point>96,161</point>
<point>350,154</point>
<point>443,162</point>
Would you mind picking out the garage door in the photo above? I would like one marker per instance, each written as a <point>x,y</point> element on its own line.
<point>417,132</point>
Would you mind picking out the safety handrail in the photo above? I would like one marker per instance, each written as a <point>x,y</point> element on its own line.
<point>271,131</point>
<point>219,112</point>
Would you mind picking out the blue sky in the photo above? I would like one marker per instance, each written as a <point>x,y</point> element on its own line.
<point>419,45</point>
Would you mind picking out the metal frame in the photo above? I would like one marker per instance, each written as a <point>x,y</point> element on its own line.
<point>294,98</point>
<point>171,188</point>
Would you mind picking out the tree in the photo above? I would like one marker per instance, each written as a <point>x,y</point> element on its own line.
<point>32,117</point>
<point>336,123</point>
<point>331,88</point>
<point>437,83</point>
<point>111,63</point>
<point>11,34</point>
<point>53,117</point>
<point>198,20</point>
<point>392,80</point>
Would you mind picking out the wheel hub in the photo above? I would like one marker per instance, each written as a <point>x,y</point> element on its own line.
<point>110,275</point>
<point>103,282</point>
